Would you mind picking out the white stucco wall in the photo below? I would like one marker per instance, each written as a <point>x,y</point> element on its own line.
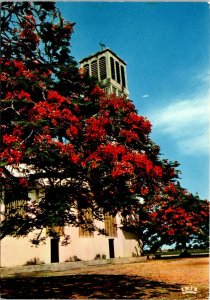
<point>18,251</point>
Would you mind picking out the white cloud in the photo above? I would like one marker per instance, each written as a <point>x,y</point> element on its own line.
<point>145,96</point>
<point>187,123</point>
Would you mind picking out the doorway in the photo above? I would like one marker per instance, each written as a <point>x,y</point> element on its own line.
<point>54,250</point>
<point>111,248</point>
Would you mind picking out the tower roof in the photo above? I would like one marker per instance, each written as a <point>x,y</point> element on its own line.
<point>100,52</point>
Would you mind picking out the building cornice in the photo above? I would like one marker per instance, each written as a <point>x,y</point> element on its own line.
<point>101,52</point>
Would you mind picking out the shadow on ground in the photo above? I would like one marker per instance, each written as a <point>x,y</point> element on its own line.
<point>88,286</point>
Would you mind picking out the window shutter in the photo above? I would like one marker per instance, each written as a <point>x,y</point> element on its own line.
<point>110,227</point>
<point>84,229</point>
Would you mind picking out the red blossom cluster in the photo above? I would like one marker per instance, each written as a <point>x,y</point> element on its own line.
<point>115,104</point>
<point>54,96</point>
<point>144,190</point>
<point>53,147</point>
<point>97,92</point>
<point>170,189</point>
<point>18,95</point>
<point>95,129</point>
<point>18,70</point>
<point>9,139</point>
<point>123,162</point>
<point>129,135</point>
<point>57,115</point>
<point>122,168</point>
<point>11,156</point>
<point>21,116</point>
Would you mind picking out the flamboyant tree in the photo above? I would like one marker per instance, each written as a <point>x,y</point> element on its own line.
<point>41,87</point>
<point>173,217</point>
<point>60,131</point>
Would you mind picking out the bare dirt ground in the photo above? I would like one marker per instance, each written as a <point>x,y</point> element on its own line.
<point>155,279</point>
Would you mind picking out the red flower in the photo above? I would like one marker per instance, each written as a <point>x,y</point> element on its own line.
<point>23,182</point>
<point>144,190</point>
<point>122,168</point>
<point>97,92</point>
<point>9,139</point>
<point>129,135</point>
<point>170,188</point>
<point>95,129</point>
<point>171,231</point>
<point>56,97</point>
<point>157,171</point>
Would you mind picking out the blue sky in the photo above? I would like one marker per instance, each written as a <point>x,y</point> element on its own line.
<point>166,48</point>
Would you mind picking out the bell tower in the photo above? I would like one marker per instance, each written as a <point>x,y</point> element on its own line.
<point>109,69</point>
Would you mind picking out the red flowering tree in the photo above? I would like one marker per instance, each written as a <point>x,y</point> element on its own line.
<point>60,132</point>
<point>41,87</point>
<point>173,217</point>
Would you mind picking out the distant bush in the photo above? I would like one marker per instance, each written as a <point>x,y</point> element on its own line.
<point>176,251</point>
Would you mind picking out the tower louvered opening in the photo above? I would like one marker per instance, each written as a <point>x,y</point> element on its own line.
<point>118,71</point>
<point>123,76</point>
<point>94,68</point>
<point>87,69</point>
<point>102,67</point>
<point>112,68</point>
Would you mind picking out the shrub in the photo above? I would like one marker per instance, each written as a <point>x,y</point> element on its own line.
<point>72,258</point>
<point>34,261</point>
<point>100,256</point>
